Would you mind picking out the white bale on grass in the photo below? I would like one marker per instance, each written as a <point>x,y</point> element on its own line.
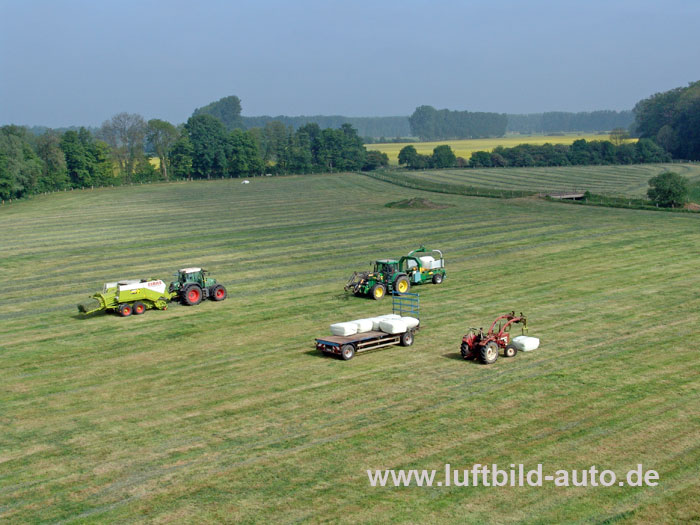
<point>344,329</point>
<point>526,344</point>
<point>411,322</point>
<point>393,326</point>
<point>363,325</point>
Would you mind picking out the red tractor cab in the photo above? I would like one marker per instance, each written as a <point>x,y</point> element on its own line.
<point>485,346</point>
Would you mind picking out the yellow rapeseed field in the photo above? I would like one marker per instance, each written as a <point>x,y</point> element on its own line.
<point>464,148</point>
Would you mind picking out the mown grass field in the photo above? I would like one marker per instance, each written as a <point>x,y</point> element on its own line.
<point>628,181</point>
<point>225,412</point>
<point>464,148</point>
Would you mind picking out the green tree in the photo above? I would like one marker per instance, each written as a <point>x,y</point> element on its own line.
<point>20,168</point>
<point>243,156</point>
<point>162,136</point>
<point>375,160</point>
<point>669,190</point>
<point>54,174</point>
<point>209,143</point>
<point>407,155</point>
<point>443,157</point>
<point>181,157</point>
<point>227,110</point>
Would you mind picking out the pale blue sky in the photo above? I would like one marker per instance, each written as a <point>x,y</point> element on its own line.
<point>71,62</point>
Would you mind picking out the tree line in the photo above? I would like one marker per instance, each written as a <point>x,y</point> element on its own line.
<point>429,123</point>
<point>672,120</point>
<point>122,150</point>
<point>580,153</point>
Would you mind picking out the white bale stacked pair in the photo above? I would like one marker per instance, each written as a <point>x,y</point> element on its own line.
<point>389,323</point>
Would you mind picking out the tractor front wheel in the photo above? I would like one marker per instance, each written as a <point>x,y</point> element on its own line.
<point>139,308</point>
<point>437,278</point>
<point>510,350</point>
<point>125,309</point>
<point>218,293</point>
<point>488,353</point>
<point>402,284</point>
<point>347,352</point>
<point>465,352</point>
<point>378,291</point>
<point>192,295</point>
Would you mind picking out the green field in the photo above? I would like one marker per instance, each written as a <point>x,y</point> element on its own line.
<point>465,147</point>
<point>622,180</point>
<point>225,412</point>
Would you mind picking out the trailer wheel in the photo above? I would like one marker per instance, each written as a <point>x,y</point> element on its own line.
<point>510,350</point>
<point>378,291</point>
<point>139,308</point>
<point>402,284</point>
<point>347,352</point>
<point>192,295</point>
<point>218,293</point>
<point>437,278</point>
<point>407,338</point>
<point>488,353</point>
<point>125,310</point>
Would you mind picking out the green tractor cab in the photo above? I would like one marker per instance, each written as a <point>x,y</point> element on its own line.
<point>193,286</point>
<point>396,276</point>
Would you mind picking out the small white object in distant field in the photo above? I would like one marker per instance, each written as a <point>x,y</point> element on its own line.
<point>245,182</point>
<point>344,329</point>
<point>411,322</point>
<point>393,326</point>
<point>363,325</point>
<point>526,344</point>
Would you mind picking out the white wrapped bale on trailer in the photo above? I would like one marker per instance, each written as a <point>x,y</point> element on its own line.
<point>398,329</point>
<point>393,326</point>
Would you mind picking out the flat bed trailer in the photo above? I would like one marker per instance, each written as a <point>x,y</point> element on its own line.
<point>346,346</point>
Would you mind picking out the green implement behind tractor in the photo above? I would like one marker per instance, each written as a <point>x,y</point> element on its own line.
<point>397,276</point>
<point>135,296</point>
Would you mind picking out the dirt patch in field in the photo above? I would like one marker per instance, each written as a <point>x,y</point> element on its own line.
<point>693,206</point>
<point>418,203</point>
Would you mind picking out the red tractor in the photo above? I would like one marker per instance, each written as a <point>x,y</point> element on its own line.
<point>485,346</point>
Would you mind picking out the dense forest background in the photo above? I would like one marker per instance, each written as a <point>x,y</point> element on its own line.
<point>217,141</point>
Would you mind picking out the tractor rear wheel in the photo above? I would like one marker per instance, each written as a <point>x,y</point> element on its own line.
<point>402,284</point>
<point>218,293</point>
<point>125,309</point>
<point>192,295</point>
<point>139,308</point>
<point>347,352</point>
<point>488,353</point>
<point>378,291</point>
<point>510,350</point>
<point>437,278</point>
<point>407,338</point>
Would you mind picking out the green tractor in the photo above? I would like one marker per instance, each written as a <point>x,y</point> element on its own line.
<point>384,278</point>
<point>192,286</point>
<point>396,276</point>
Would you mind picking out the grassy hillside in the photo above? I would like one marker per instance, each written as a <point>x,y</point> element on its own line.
<point>630,181</point>
<point>464,148</point>
<point>225,412</point>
